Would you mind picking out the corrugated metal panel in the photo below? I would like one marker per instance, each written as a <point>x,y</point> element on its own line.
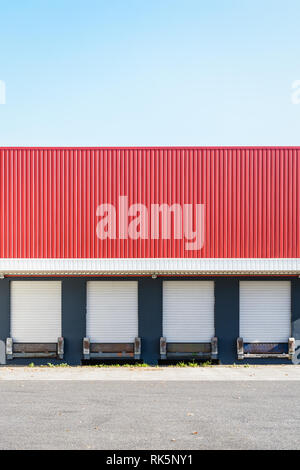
<point>35,311</point>
<point>265,311</point>
<point>112,311</point>
<point>150,266</point>
<point>188,311</point>
<point>48,200</point>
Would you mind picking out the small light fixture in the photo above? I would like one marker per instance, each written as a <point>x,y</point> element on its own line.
<point>154,276</point>
<point>1,276</point>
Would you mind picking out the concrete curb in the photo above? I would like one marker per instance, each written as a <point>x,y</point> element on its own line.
<point>215,373</point>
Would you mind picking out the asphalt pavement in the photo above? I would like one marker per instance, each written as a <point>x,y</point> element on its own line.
<point>158,414</point>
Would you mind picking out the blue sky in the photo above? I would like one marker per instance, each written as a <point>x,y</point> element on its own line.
<point>149,72</point>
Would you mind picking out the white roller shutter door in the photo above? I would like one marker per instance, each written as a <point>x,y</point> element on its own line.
<point>188,311</point>
<point>265,311</point>
<point>35,311</point>
<point>112,311</point>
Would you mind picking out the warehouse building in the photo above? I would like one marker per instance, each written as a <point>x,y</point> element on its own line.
<point>149,254</point>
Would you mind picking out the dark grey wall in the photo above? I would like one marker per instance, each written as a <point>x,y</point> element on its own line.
<point>4,317</point>
<point>296,317</point>
<point>150,318</point>
<point>73,318</point>
<point>227,318</point>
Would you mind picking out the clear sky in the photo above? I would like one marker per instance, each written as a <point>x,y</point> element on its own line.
<point>149,72</point>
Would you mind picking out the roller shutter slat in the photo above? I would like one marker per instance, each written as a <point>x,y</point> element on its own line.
<point>188,311</point>
<point>112,311</point>
<point>265,311</point>
<point>36,311</point>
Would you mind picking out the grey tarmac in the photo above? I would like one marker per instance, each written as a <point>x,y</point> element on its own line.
<point>149,414</point>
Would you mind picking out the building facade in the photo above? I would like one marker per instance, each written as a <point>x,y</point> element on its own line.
<point>149,254</point>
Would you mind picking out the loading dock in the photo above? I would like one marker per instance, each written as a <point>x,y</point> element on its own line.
<point>112,320</point>
<point>188,320</point>
<point>35,320</point>
<point>265,319</point>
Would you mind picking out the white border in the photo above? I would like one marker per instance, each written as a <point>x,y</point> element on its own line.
<point>68,266</point>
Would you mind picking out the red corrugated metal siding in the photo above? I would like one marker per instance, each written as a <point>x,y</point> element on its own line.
<point>48,200</point>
